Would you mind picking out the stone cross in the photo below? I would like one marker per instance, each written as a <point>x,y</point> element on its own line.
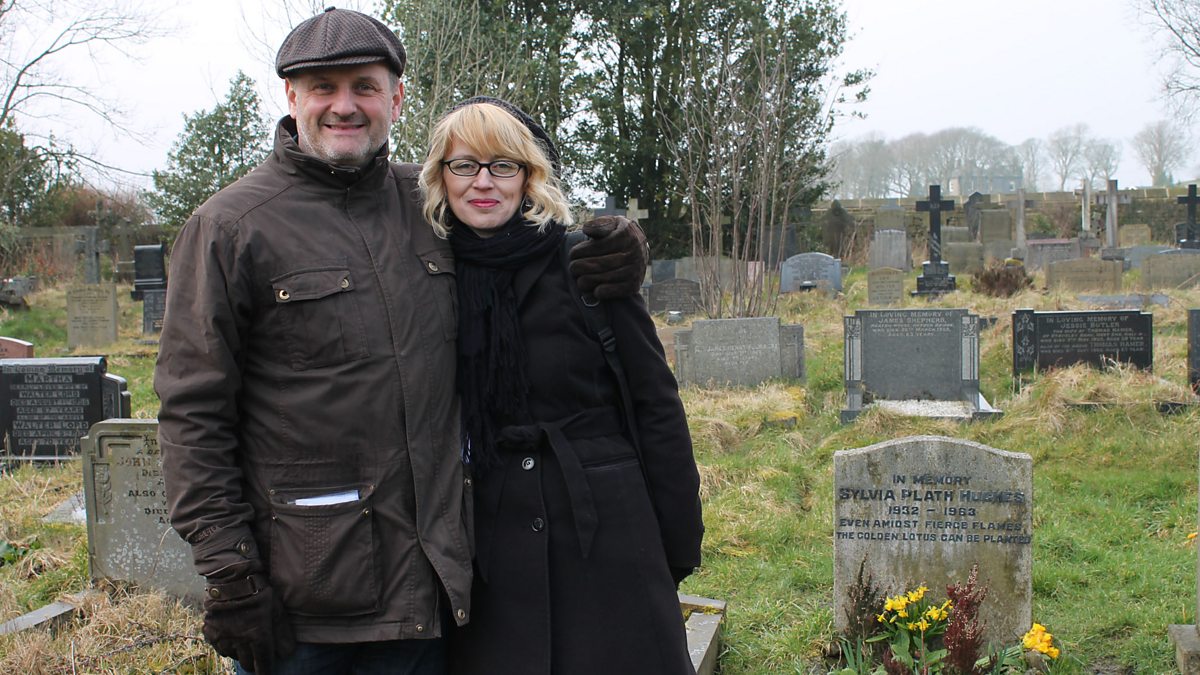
<point>1021,205</point>
<point>87,243</point>
<point>935,206</point>
<point>1086,211</point>
<point>1193,237</point>
<point>610,208</point>
<point>635,214</point>
<point>1110,215</point>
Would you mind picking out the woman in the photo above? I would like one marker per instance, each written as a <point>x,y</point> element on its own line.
<point>577,558</point>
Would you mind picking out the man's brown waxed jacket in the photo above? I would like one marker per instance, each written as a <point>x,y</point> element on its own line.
<point>307,354</point>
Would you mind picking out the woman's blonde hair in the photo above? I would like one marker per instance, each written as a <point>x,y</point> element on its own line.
<point>491,131</point>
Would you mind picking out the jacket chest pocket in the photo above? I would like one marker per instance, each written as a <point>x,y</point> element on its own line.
<point>439,266</point>
<point>319,315</point>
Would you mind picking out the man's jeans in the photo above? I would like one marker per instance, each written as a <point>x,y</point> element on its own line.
<point>394,657</point>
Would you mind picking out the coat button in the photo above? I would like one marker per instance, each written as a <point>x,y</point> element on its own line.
<point>284,295</point>
<point>461,614</point>
<point>243,547</point>
<point>420,628</point>
<point>345,282</point>
<point>538,524</point>
<point>433,267</point>
<point>528,464</point>
<point>214,593</point>
<point>467,482</point>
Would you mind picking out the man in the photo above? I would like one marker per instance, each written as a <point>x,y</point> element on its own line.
<point>309,426</point>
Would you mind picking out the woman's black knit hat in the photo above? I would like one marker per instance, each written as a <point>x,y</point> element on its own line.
<point>534,128</point>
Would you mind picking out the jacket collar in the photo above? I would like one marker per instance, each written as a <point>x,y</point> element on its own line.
<point>299,163</point>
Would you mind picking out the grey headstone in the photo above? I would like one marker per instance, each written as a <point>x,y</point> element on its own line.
<point>661,270</point>
<point>1042,252</point>
<point>814,269</point>
<point>91,315</point>
<point>154,306</point>
<point>1085,274</point>
<point>913,355</point>
<point>739,352</point>
<point>1171,270</point>
<point>890,217</point>
<point>971,211</point>
<point>999,249</point>
<point>130,538</point>
<point>675,295</point>
<point>885,286</point>
<point>1138,234</point>
<point>963,257</point>
<point>12,348</point>
<point>952,234</point>
<point>47,405</point>
<point>923,510</point>
<point>889,248</point>
<point>1136,255</point>
<point>995,225</point>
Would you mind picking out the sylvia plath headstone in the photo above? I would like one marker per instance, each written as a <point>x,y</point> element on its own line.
<point>923,510</point>
<point>923,362</point>
<point>1044,340</point>
<point>91,315</point>
<point>935,276</point>
<point>47,405</point>
<point>740,352</point>
<point>130,538</point>
<point>12,348</point>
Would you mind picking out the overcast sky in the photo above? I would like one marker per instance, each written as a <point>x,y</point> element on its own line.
<point>1014,69</point>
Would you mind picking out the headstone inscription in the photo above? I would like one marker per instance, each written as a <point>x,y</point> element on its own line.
<point>921,362</point>
<point>1175,269</point>
<point>885,286</point>
<point>1042,252</point>
<point>1135,234</point>
<point>810,270</point>
<point>130,538</point>
<point>1044,340</point>
<point>935,276</point>
<point>91,315</point>
<point>889,248</point>
<point>739,352</point>
<point>1085,274</point>
<point>154,306</point>
<point>675,295</point>
<point>923,510</point>
<point>12,348</point>
<point>1192,240</point>
<point>1193,357</point>
<point>149,269</point>
<point>47,405</point>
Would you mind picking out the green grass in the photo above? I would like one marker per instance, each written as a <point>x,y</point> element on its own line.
<point>1115,489</point>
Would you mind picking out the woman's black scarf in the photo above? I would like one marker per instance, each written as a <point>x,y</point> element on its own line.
<point>491,353</point>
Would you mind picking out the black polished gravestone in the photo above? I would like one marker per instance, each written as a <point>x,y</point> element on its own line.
<point>47,405</point>
<point>154,307</point>
<point>149,269</point>
<point>1043,340</point>
<point>935,276</point>
<point>1190,231</point>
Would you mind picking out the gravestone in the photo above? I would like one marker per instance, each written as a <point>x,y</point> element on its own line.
<point>1171,270</point>
<point>921,362</point>
<point>890,216</point>
<point>697,268</point>
<point>889,248</point>
<point>1191,231</point>
<point>1044,340</point>
<point>1085,274</point>
<point>675,295</point>
<point>661,270</point>
<point>1042,252</point>
<point>149,269</point>
<point>47,405</point>
<point>995,225</point>
<point>154,306</point>
<point>1136,255</point>
<point>953,234</point>
<point>964,257</point>
<point>935,276</point>
<point>739,352</point>
<point>15,291</point>
<point>923,510</point>
<point>885,286</point>
<point>1112,204</point>
<point>1137,234</point>
<point>130,538</point>
<point>1193,357</point>
<point>810,270</point>
<point>1019,222</point>
<point>971,213</point>
<point>91,315</point>
<point>12,348</point>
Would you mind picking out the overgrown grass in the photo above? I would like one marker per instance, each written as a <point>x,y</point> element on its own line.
<point>1115,486</point>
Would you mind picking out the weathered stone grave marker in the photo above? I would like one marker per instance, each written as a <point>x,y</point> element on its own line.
<point>889,248</point>
<point>675,295</point>
<point>920,362</point>
<point>1085,274</point>
<point>924,510</point>
<point>1044,340</point>
<point>935,276</point>
<point>130,538</point>
<point>47,405</point>
<point>810,270</point>
<point>1192,230</point>
<point>1135,234</point>
<point>1042,252</point>
<point>154,307</point>
<point>91,315</point>
<point>739,352</point>
<point>1179,268</point>
<point>885,286</point>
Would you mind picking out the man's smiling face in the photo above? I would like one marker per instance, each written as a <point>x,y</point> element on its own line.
<point>343,114</point>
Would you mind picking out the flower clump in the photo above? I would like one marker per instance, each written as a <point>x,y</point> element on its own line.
<point>1038,640</point>
<point>911,613</point>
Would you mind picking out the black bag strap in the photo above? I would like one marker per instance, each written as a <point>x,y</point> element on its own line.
<point>596,314</point>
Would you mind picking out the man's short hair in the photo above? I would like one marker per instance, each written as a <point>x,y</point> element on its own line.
<point>339,37</point>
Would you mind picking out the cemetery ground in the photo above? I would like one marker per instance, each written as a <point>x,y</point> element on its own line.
<point>1115,485</point>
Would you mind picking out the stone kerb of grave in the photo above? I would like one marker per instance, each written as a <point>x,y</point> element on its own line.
<point>923,510</point>
<point>739,352</point>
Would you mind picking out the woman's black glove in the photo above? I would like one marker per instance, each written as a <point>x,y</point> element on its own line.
<point>245,620</point>
<point>611,263</point>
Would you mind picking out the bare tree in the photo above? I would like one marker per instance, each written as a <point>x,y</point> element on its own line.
<point>1065,150</point>
<point>862,168</point>
<point>1031,157</point>
<point>1179,22</point>
<point>1100,160</point>
<point>1161,147</point>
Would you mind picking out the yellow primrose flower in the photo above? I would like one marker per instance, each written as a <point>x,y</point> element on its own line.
<point>923,625</point>
<point>880,618</point>
<point>1191,536</point>
<point>902,613</point>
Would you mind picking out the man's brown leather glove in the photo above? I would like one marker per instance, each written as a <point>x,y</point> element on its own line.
<point>611,263</point>
<point>245,620</point>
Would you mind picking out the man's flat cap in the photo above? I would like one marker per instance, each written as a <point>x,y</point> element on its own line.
<point>339,37</point>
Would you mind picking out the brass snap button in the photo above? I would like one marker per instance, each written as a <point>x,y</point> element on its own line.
<point>528,464</point>
<point>462,614</point>
<point>420,628</point>
<point>284,295</point>
<point>345,282</point>
<point>433,267</point>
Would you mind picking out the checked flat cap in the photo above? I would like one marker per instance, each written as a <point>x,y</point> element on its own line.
<point>339,37</point>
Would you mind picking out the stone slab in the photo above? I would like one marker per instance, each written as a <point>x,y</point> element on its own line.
<point>1044,340</point>
<point>91,315</point>
<point>995,225</point>
<point>154,306</point>
<point>923,510</point>
<point>739,352</point>
<point>703,631</point>
<point>1085,274</point>
<point>1187,648</point>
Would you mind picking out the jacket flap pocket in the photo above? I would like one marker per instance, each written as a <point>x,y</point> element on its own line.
<point>312,284</point>
<point>437,261</point>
